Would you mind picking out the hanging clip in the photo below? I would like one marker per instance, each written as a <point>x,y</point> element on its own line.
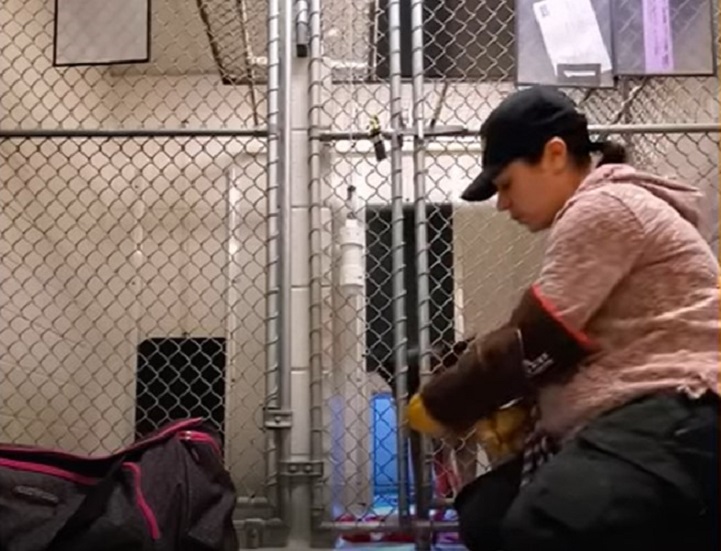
<point>374,129</point>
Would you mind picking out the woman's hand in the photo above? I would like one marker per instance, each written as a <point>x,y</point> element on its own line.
<point>501,434</point>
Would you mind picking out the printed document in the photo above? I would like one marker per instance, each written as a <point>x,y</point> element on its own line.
<point>571,33</point>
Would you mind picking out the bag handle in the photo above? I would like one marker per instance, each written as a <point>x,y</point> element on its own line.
<point>90,509</point>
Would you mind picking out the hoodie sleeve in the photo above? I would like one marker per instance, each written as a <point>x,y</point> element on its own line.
<point>593,245</point>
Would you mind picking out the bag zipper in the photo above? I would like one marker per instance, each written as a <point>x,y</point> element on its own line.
<point>145,510</point>
<point>197,436</point>
<point>140,501</point>
<point>174,428</point>
<point>48,470</point>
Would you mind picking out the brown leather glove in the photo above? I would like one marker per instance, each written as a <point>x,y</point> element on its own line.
<point>510,363</point>
<point>486,377</point>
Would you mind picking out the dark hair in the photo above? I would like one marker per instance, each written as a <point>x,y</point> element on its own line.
<point>611,152</point>
<point>580,146</point>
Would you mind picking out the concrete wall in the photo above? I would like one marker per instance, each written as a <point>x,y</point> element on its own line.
<point>107,242</point>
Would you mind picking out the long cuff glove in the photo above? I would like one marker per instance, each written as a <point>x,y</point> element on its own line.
<point>501,434</point>
<point>534,349</point>
<point>479,383</point>
<point>552,351</point>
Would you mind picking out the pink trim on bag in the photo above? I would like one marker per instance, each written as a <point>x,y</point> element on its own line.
<point>47,470</point>
<point>195,436</point>
<point>169,431</point>
<point>145,509</point>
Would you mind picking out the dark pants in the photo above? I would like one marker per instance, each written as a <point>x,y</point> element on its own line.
<point>642,477</point>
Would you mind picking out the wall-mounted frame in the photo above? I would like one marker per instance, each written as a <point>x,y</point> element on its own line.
<point>565,43</point>
<point>101,32</point>
<point>664,37</point>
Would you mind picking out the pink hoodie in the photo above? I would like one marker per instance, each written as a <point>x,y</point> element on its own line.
<point>626,265</point>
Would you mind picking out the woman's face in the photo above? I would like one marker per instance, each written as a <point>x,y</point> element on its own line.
<point>534,193</point>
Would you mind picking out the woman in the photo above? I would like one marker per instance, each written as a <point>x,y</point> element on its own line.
<point>615,345</point>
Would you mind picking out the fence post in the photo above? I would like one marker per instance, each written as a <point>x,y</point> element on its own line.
<point>284,194</point>
<point>315,260</point>
<point>277,419</point>
<point>423,299</point>
<point>400,338</point>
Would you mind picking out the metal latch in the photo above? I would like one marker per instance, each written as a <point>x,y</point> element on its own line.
<point>312,469</point>
<point>278,419</point>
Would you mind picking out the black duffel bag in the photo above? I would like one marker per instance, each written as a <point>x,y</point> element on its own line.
<point>168,491</point>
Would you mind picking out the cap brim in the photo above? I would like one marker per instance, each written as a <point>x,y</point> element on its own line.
<point>482,188</point>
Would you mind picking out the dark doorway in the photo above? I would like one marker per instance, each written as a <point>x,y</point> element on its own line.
<point>379,282</point>
<point>179,378</point>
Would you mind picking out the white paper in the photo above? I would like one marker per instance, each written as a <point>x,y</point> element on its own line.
<point>101,31</point>
<point>571,33</point>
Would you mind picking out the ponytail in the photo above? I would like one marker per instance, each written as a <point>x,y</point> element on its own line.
<point>611,152</point>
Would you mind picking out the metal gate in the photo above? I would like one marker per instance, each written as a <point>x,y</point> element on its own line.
<point>431,72</point>
<point>170,229</point>
<point>138,232</point>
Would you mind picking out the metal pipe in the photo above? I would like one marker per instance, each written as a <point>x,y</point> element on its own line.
<point>439,105</point>
<point>284,193</point>
<point>273,256</point>
<point>624,113</point>
<point>420,467</point>
<point>212,41</point>
<point>400,338</point>
<point>252,501</point>
<point>316,255</point>
<point>302,29</point>
<point>365,526</point>
<point>50,133</point>
<point>248,57</point>
<point>459,132</point>
<point>233,197</point>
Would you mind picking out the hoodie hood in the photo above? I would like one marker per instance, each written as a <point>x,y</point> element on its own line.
<point>685,199</point>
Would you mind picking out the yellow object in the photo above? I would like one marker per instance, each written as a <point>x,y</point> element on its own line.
<point>500,434</point>
<point>504,432</point>
<point>419,419</point>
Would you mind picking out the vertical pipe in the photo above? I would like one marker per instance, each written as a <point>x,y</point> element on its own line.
<point>284,219</point>
<point>419,184</point>
<point>231,301</point>
<point>139,211</point>
<point>273,253</point>
<point>626,116</point>
<point>248,58</point>
<point>316,256</point>
<point>400,341</point>
<point>301,27</point>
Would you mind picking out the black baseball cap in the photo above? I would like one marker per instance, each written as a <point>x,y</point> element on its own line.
<point>519,127</point>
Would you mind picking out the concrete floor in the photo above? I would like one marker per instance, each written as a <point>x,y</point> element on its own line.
<point>403,547</point>
<point>375,547</point>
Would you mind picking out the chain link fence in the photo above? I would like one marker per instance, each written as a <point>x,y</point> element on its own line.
<point>207,68</point>
<point>134,292</point>
<point>141,248</point>
<point>134,232</point>
<point>437,269</point>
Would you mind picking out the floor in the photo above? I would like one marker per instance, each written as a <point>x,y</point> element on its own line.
<point>374,547</point>
<point>387,547</point>
<point>386,505</point>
